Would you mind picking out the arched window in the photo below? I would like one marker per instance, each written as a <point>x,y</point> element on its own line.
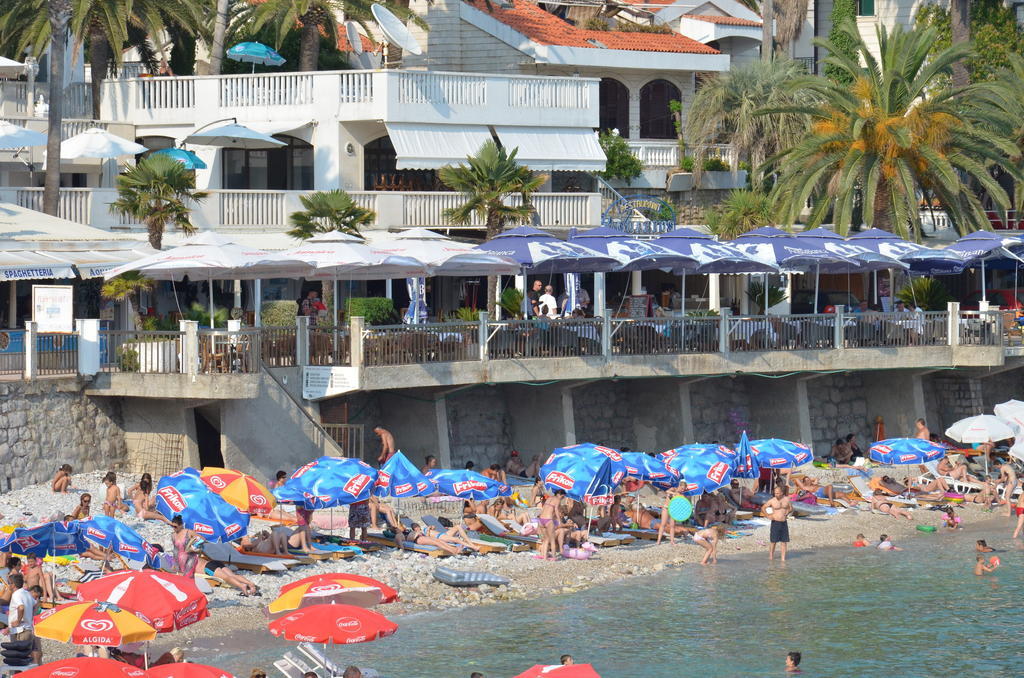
<point>656,118</point>
<point>614,103</point>
<point>381,174</point>
<point>285,168</point>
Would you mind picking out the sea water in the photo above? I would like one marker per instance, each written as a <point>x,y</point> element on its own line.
<point>851,612</point>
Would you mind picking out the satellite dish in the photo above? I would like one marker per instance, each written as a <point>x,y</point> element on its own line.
<point>354,41</point>
<point>394,30</point>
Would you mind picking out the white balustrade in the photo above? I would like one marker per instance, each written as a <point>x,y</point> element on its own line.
<point>442,88</point>
<point>356,87</point>
<point>266,89</point>
<point>162,93</point>
<point>548,93</point>
<point>250,208</point>
<point>655,153</point>
<point>427,209</point>
<point>74,204</point>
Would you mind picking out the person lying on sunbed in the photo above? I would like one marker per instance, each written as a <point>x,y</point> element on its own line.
<point>918,488</point>
<point>988,496</point>
<point>810,486</point>
<point>504,509</point>
<point>384,509</point>
<point>273,541</point>
<point>712,508</point>
<point>415,535</point>
<point>883,505</point>
<point>615,517</point>
<point>957,471</point>
<point>743,497</point>
<point>453,534</point>
<point>649,520</point>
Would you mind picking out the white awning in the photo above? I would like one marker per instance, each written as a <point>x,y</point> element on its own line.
<point>300,129</point>
<point>94,263</point>
<point>24,265</point>
<point>554,148</point>
<point>423,146</point>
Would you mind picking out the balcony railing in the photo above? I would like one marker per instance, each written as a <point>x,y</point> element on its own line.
<point>654,154</point>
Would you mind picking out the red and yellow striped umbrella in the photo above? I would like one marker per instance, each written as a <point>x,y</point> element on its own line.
<point>336,588</point>
<point>92,623</point>
<point>239,489</point>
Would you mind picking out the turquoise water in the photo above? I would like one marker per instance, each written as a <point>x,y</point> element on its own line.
<point>852,612</point>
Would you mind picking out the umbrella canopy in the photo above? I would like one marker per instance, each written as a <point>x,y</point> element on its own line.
<point>442,255</point>
<point>336,624</point>
<point>84,667</point>
<point>239,489</point>
<point>649,469</point>
<point>187,158</point>
<point>984,428</point>
<point>588,473</point>
<point>12,136</point>
<point>778,453</point>
<point>187,671</point>
<point>48,539</point>
<point>254,53</point>
<point>233,136</point>
<point>711,255</point>
<point>789,252</point>
<point>538,252</point>
<point>746,460</point>
<point>863,258</point>
<point>327,482</point>
<point>9,68</point>
<point>886,243</point>
<point>92,623</point>
<point>98,143</point>
<point>559,671</point>
<point>1012,411</point>
<point>906,451</point>
<point>466,484</point>
<point>632,254</point>
<point>202,511</point>
<point>167,602</point>
<point>110,533</point>
<point>334,589</point>
<point>399,477</point>
<point>704,468</point>
<point>340,255</point>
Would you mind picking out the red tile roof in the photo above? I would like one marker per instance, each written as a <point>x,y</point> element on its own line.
<point>343,46</point>
<point>727,20</point>
<point>547,29</point>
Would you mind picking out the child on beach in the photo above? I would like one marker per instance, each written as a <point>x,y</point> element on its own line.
<point>708,539</point>
<point>951,519</point>
<point>861,541</point>
<point>885,544</point>
<point>62,480</point>
<point>665,523</point>
<point>113,503</point>
<point>983,547</point>
<point>982,568</point>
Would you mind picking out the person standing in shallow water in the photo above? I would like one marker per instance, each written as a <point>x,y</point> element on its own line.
<point>778,509</point>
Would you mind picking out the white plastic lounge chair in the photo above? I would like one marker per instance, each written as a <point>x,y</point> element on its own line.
<point>287,669</point>
<point>227,553</point>
<point>499,529</point>
<point>319,659</point>
<point>865,491</point>
<point>299,663</point>
<point>485,546</point>
<point>961,486</point>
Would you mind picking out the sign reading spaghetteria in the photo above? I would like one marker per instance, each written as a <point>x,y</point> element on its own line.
<point>323,382</point>
<point>52,308</point>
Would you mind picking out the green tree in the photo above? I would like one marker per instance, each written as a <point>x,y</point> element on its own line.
<point>998,105</point>
<point>741,211</point>
<point>729,106</point>
<point>128,287</point>
<point>328,211</point>
<point>487,180</point>
<point>622,162</point>
<point>993,28</point>
<point>157,191</point>
<point>103,25</point>
<point>888,137</point>
<point>843,12</point>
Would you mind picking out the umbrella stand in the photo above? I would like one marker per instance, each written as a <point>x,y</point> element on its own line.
<point>682,301</point>
<point>817,271</point>
<point>209,281</point>
<point>984,296</point>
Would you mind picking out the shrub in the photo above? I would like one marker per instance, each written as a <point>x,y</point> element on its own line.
<point>375,310</point>
<point>511,302</point>
<point>464,314</point>
<point>279,313</point>
<point>715,165</point>
<point>926,293</point>
<point>622,163</point>
<point>756,293</point>
<point>686,164</point>
<point>596,23</point>
<point>127,359</point>
<point>630,27</point>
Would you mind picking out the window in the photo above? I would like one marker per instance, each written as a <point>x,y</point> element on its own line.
<point>865,7</point>
<point>286,168</point>
<point>380,173</point>
<point>656,118</point>
<point>614,106</point>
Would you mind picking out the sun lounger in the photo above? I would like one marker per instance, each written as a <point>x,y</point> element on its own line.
<point>485,546</point>
<point>432,551</point>
<point>319,659</point>
<point>227,553</point>
<point>499,529</point>
<point>287,669</point>
<point>301,664</point>
<point>866,492</point>
<point>961,486</point>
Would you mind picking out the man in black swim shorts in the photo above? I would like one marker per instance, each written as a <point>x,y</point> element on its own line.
<point>778,509</point>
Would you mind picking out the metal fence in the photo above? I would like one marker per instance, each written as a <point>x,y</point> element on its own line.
<point>781,333</point>
<point>875,330</point>
<point>329,345</point>
<point>415,344</point>
<point>981,329</point>
<point>140,351</point>
<point>222,351</point>
<point>349,438</point>
<point>12,352</point>
<point>56,353</point>
<point>561,338</point>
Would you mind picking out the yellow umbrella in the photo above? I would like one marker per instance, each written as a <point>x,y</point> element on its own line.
<point>92,623</point>
<point>337,588</point>
<point>239,489</point>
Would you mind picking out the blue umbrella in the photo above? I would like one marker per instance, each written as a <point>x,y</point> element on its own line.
<point>417,311</point>
<point>110,533</point>
<point>255,53</point>
<point>466,484</point>
<point>778,453</point>
<point>48,539</point>
<point>862,258</point>
<point>399,477</point>
<point>204,512</point>
<point>538,252</point>
<point>190,160</point>
<point>887,244</point>
<point>790,252</point>
<point>327,482</point>
<point>906,451</point>
<point>746,460</point>
<point>704,468</point>
<point>632,254</point>
<point>650,469</point>
<point>711,255</point>
<point>585,472</point>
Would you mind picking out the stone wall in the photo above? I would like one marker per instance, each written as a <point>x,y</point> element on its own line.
<point>720,410</point>
<point>955,397</point>
<point>478,427</point>
<point>49,422</point>
<point>603,415</point>
<point>837,407</point>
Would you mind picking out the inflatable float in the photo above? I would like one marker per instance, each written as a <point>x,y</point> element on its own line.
<point>451,577</point>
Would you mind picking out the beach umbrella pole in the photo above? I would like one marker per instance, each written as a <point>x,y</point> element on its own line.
<point>682,302</point>
<point>209,281</point>
<point>984,295</point>
<point>817,271</point>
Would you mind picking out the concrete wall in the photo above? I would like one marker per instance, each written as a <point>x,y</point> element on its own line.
<point>478,427</point>
<point>720,410</point>
<point>412,419</point>
<point>774,410</point>
<point>537,419</point>
<point>49,422</point>
<point>160,435</point>
<point>837,406</point>
<point>896,397</point>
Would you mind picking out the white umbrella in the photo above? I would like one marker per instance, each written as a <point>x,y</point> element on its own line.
<point>233,136</point>
<point>984,428</point>
<point>1012,411</point>
<point>340,255</point>
<point>445,256</point>
<point>9,68</point>
<point>12,136</point>
<point>98,143</point>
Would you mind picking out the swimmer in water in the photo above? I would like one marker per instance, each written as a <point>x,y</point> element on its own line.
<point>861,541</point>
<point>982,547</point>
<point>982,568</point>
<point>793,662</point>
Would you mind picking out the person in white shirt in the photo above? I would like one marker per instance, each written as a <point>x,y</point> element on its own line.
<point>547,304</point>
<point>22,613</point>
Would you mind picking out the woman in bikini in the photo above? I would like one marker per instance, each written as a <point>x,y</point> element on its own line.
<point>456,534</point>
<point>666,522</point>
<point>708,539</point>
<point>113,502</point>
<point>187,560</point>
<point>62,480</point>
<point>548,524</point>
<point>1018,509</point>
<point>145,505</point>
<point>416,536</point>
<point>880,504</point>
<point>83,510</point>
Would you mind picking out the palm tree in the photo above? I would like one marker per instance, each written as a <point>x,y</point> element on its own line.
<point>104,24</point>
<point>487,180</point>
<point>58,13</point>
<point>328,211</point>
<point>887,137</point>
<point>998,105</point>
<point>728,104</point>
<point>156,192</point>
<point>128,287</point>
<point>960,28</point>
<point>741,211</point>
<point>790,17</point>
<point>314,17</point>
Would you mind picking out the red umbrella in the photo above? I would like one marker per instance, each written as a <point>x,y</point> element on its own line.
<point>167,602</point>
<point>337,624</point>
<point>388,594</point>
<point>557,671</point>
<point>187,671</point>
<point>84,667</point>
